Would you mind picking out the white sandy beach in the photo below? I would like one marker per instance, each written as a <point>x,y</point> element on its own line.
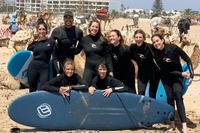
<point>191,98</point>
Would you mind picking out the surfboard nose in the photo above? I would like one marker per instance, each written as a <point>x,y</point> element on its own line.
<point>171,114</point>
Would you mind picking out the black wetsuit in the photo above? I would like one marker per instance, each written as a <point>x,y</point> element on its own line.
<point>67,39</point>
<point>95,50</point>
<point>38,70</point>
<point>108,82</point>
<point>75,81</point>
<point>168,60</point>
<point>123,68</point>
<point>147,69</point>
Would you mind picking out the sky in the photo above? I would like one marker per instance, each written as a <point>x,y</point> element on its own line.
<point>168,5</point>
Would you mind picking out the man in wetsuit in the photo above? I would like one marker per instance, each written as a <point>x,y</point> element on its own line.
<point>68,37</point>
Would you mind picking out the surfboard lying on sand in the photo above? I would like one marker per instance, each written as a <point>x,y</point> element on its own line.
<point>161,94</point>
<point>49,110</point>
<point>18,65</point>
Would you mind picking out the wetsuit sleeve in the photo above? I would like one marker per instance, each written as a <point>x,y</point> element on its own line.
<point>55,34</point>
<point>132,53</point>
<point>81,83</point>
<point>54,84</point>
<point>187,59</point>
<point>31,46</point>
<point>108,58</point>
<point>128,51</point>
<point>117,85</point>
<point>55,57</point>
<point>79,34</point>
<point>94,82</point>
<point>79,47</point>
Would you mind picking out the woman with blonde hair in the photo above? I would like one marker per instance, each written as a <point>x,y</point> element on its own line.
<point>148,72</point>
<point>67,81</point>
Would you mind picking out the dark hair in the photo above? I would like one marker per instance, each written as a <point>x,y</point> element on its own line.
<point>159,36</point>
<point>141,32</point>
<point>40,21</point>
<point>121,41</point>
<point>99,33</point>
<point>104,64</point>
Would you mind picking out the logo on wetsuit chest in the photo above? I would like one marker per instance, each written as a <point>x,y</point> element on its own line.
<point>115,56</point>
<point>167,59</point>
<point>73,46</point>
<point>93,45</point>
<point>141,56</point>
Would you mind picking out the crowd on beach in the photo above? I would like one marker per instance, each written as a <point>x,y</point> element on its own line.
<point>109,63</point>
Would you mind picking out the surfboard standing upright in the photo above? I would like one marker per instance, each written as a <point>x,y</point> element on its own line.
<point>161,94</point>
<point>18,66</point>
<point>49,110</point>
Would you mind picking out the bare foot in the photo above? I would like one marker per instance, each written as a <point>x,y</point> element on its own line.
<point>170,129</point>
<point>184,128</point>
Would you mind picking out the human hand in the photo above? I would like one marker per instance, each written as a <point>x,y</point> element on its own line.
<point>107,92</point>
<point>30,41</point>
<point>189,82</point>
<point>186,74</point>
<point>64,90</point>
<point>91,90</point>
<point>111,74</point>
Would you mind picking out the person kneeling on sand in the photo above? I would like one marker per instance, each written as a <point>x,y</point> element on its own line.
<point>105,82</point>
<point>67,81</point>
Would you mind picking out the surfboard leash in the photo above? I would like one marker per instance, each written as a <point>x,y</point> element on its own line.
<point>67,98</point>
<point>129,113</point>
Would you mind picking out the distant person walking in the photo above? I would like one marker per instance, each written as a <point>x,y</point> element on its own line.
<point>13,23</point>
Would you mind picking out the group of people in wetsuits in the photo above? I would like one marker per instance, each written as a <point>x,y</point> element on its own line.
<point>109,63</point>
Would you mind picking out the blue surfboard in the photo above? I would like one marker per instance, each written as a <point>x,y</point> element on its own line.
<point>49,110</point>
<point>185,80</point>
<point>18,65</point>
<point>161,94</point>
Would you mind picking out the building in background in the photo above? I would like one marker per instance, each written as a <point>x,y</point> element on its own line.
<point>133,10</point>
<point>2,3</point>
<point>59,6</point>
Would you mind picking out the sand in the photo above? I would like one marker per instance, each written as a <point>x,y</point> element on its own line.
<point>191,98</point>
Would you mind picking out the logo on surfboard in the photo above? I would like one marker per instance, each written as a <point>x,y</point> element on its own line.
<point>44,110</point>
<point>24,73</point>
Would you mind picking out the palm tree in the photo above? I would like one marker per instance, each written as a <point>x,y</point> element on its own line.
<point>188,11</point>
